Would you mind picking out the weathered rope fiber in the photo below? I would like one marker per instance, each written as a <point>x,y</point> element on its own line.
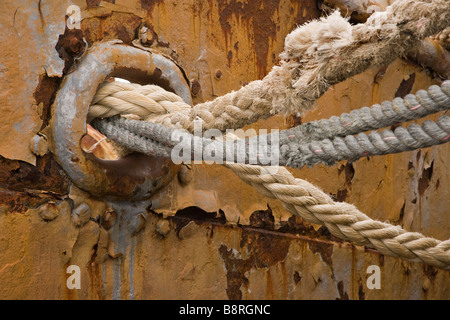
<point>305,200</point>
<point>113,98</point>
<point>115,130</point>
<point>443,38</point>
<point>297,147</point>
<point>317,55</point>
<point>412,106</point>
<point>352,148</point>
<point>157,142</point>
<point>343,220</point>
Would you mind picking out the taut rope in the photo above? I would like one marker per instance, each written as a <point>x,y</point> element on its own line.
<point>303,199</point>
<point>317,55</point>
<point>325,141</point>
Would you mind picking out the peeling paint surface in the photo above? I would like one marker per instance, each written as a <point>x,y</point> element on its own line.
<point>30,32</point>
<point>206,234</point>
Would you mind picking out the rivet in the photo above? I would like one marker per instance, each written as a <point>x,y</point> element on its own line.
<point>218,74</point>
<point>49,211</point>
<point>195,87</point>
<point>109,219</point>
<point>147,36</point>
<point>81,215</point>
<point>185,175</point>
<point>163,227</point>
<point>187,231</point>
<point>137,223</point>
<point>39,145</point>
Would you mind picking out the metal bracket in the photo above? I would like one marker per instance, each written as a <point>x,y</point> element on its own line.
<point>136,176</point>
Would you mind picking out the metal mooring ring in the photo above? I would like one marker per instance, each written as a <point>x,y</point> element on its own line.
<point>134,177</point>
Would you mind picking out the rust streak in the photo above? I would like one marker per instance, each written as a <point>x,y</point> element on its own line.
<point>259,15</point>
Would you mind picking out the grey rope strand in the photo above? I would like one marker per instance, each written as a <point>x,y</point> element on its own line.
<point>297,145</point>
<point>354,147</point>
<point>292,154</point>
<point>411,107</point>
<point>129,139</point>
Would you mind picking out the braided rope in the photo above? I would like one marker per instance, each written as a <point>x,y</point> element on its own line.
<point>412,106</point>
<point>113,98</point>
<point>297,147</point>
<point>352,148</point>
<point>301,198</point>
<point>124,135</point>
<point>157,141</point>
<point>310,65</point>
<point>155,104</point>
<point>343,220</point>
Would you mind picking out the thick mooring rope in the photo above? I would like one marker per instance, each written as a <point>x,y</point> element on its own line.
<point>113,98</point>
<point>156,141</point>
<point>343,220</point>
<point>317,55</point>
<point>325,141</point>
<point>303,199</point>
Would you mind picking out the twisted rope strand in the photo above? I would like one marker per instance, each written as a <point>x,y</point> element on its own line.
<point>352,148</point>
<point>411,107</point>
<point>131,140</point>
<point>310,65</point>
<point>157,140</point>
<point>113,98</point>
<point>301,198</point>
<point>343,220</point>
<point>308,68</point>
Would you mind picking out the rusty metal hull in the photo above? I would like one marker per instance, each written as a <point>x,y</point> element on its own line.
<point>205,235</point>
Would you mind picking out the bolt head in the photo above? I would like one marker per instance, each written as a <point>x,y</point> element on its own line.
<point>163,227</point>
<point>195,87</point>
<point>39,145</point>
<point>185,175</point>
<point>81,215</point>
<point>109,219</point>
<point>137,224</point>
<point>49,211</point>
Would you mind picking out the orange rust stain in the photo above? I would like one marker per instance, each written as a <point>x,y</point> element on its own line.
<point>20,202</point>
<point>45,93</point>
<point>96,281</point>
<point>270,294</point>
<point>259,15</point>
<point>118,25</point>
<point>425,178</point>
<point>18,177</point>
<point>405,86</point>
<point>149,4</point>
<point>325,250</point>
<point>264,250</point>
<point>262,18</point>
